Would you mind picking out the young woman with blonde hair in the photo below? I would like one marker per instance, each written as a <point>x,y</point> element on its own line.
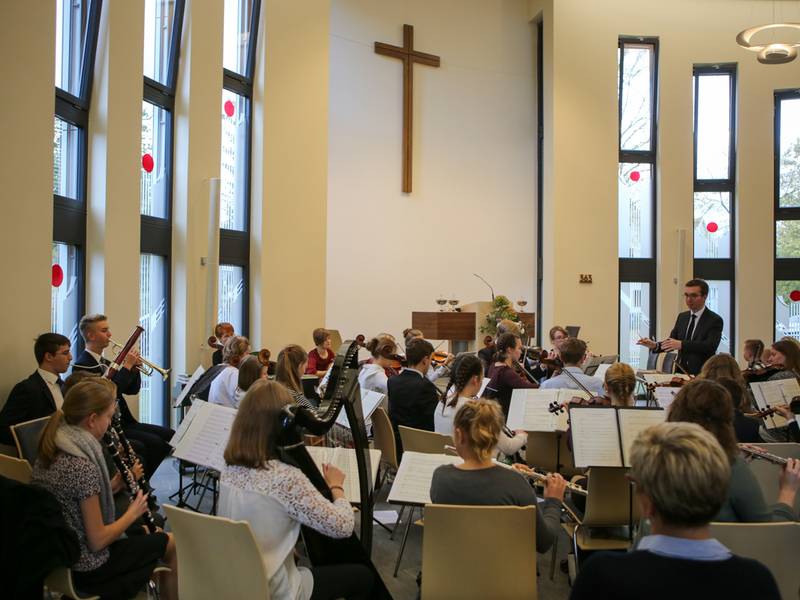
<point>71,466</point>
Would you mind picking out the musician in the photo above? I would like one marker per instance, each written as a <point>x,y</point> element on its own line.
<point>573,353</point>
<point>276,498</point>
<point>222,331</point>
<point>250,371</point>
<point>321,356</point>
<point>223,388</point>
<point>697,331</point>
<point>412,396</point>
<point>434,372</point>
<point>681,475</point>
<point>785,355</point>
<point>150,441</point>
<point>466,377</point>
<point>40,394</point>
<point>289,369</point>
<point>619,384</point>
<point>374,375</point>
<point>708,404</point>
<point>503,374</point>
<point>487,353</point>
<point>71,466</point>
<point>479,481</point>
<point>542,371</point>
<point>753,349</point>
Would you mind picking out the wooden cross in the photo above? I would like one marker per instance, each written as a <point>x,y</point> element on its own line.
<point>409,56</point>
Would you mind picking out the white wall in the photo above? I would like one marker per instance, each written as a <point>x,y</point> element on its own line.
<point>472,208</point>
<point>580,154</point>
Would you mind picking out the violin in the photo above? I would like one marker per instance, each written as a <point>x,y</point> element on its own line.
<point>675,382</point>
<point>794,406</point>
<point>760,372</point>
<point>439,358</point>
<point>557,408</point>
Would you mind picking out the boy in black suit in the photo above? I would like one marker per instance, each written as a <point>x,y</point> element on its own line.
<point>412,396</point>
<point>40,394</point>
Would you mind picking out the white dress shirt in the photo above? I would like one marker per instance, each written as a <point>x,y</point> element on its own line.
<point>563,381</point>
<point>223,388</point>
<point>372,377</point>
<point>51,380</point>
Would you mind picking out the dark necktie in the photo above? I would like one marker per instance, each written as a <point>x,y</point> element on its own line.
<point>690,330</point>
<point>60,384</point>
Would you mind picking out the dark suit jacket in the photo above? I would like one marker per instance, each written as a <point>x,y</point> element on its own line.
<point>704,342</point>
<point>412,400</point>
<point>128,382</point>
<point>30,399</point>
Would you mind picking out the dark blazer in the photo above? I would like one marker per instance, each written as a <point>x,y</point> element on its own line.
<point>412,400</point>
<point>704,342</point>
<point>127,381</point>
<point>29,399</point>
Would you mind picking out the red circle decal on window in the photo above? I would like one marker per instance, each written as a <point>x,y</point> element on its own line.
<point>635,175</point>
<point>57,276</point>
<point>229,108</point>
<point>712,227</point>
<point>148,163</point>
<point>795,296</point>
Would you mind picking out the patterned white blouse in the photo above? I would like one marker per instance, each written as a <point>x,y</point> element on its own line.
<point>275,501</point>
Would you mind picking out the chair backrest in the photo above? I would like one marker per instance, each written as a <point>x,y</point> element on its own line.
<point>652,361</point>
<point>201,540</point>
<point>775,545</point>
<point>383,437</point>
<point>453,564</point>
<point>610,499</point>
<point>669,361</point>
<point>60,581</point>
<point>26,437</point>
<point>419,440</point>
<point>17,469</point>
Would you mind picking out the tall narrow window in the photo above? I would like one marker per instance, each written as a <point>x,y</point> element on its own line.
<point>539,178</point>
<point>787,213</point>
<point>636,184</point>
<point>162,30</point>
<point>239,41</point>
<point>715,188</point>
<point>77,26</point>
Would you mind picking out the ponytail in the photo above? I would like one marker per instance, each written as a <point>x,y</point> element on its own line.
<point>481,422</point>
<point>505,342</point>
<point>620,382</point>
<point>463,369</point>
<point>288,365</point>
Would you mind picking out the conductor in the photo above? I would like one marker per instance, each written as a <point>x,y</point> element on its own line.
<point>697,331</point>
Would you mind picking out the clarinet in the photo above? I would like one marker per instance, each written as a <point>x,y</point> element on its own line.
<point>125,444</point>
<point>127,477</point>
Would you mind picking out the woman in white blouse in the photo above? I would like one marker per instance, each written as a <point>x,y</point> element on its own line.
<point>223,388</point>
<point>276,499</point>
<point>466,377</point>
<point>373,375</point>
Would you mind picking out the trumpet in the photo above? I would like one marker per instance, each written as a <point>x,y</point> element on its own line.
<point>146,368</point>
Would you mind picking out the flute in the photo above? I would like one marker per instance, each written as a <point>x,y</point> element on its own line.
<point>541,478</point>
<point>756,452</point>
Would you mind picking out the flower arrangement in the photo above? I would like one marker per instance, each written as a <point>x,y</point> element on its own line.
<point>502,308</point>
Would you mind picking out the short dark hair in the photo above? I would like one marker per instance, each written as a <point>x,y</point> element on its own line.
<point>320,335</point>
<point>416,351</point>
<point>572,350</point>
<point>48,343</point>
<point>701,283</point>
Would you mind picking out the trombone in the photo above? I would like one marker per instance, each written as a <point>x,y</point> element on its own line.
<point>146,368</point>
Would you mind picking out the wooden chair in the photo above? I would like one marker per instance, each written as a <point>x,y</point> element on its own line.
<point>17,469</point>
<point>453,565</point>
<point>26,436</point>
<point>776,545</point>
<point>383,440</point>
<point>59,581</point>
<point>419,440</point>
<point>202,575</point>
<point>608,505</point>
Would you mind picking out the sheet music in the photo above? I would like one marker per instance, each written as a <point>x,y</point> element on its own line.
<point>370,400</point>
<point>662,377</point>
<point>345,459</point>
<point>773,393</point>
<point>198,372</point>
<point>412,484</point>
<point>600,373</point>
<point>529,410</point>
<point>204,443</point>
<point>196,409</point>
<point>484,383</point>
<point>665,395</point>
<point>595,437</point>
<point>633,421</point>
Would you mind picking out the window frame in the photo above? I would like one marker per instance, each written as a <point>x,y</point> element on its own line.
<point>539,178</point>
<point>234,246</point>
<point>718,269</point>
<point>69,214</point>
<point>784,269</point>
<point>640,270</point>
